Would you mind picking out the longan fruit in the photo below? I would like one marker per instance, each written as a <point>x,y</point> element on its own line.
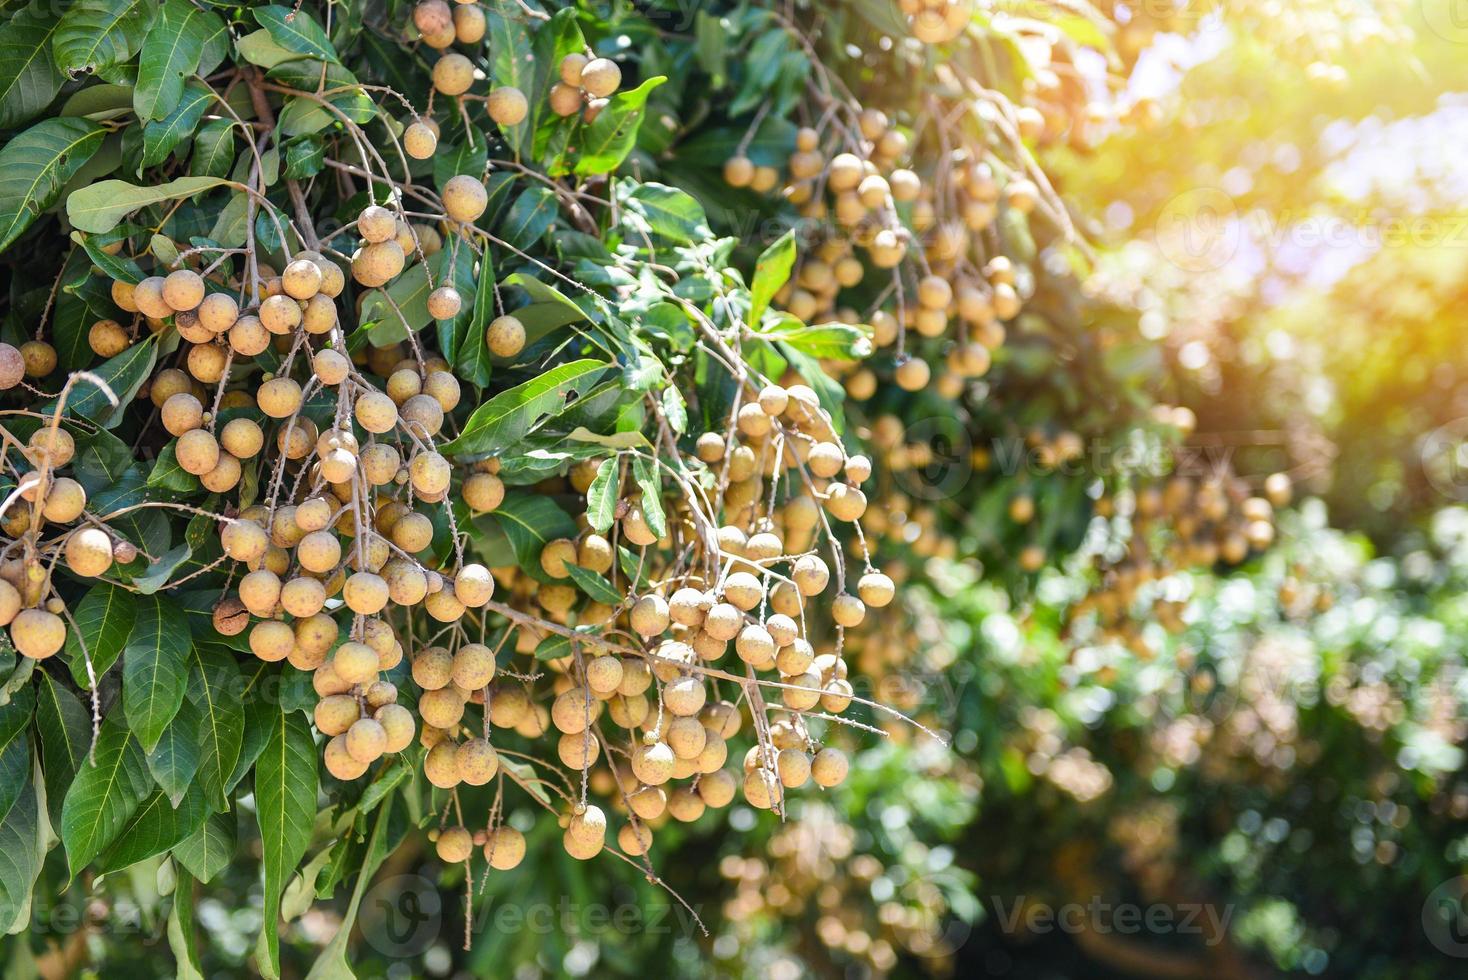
<point>319,315</point>
<point>469,23</point>
<point>10,602</point>
<point>224,476</point>
<point>571,67</point>
<point>440,765</point>
<point>365,593</point>
<point>432,17</point>
<point>829,767</point>
<point>474,586</point>
<point>272,640</point>
<point>37,634</point>
<point>380,463</point>
<point>483,492</point>
<point>397,724</point>
<point>433,668</point>
<point>506,336</point>
<point>875,589</point>
<point>600,77</point>
<point>649,615</point>
<point>419,142</point>
<point>565,100</point>
<point>366,740</point>
<point>444,303</point>
<point>464,198</point>
<point>376,263</point>
<point>65,501</point>
<point>443,708</point>
<point>279,397</point>
<point>508,106</point>
<point>339,761</point>
<point>107,338</point>
<point>197,451</point>
<point>182,413</point>
<point>336,713</point>
<point>505,848</point>
<point>147,296</point>
<point>653,764</point>
<point>453,74</point>
<point>39,358</point>
<point>182,290</point>
<point>473,667</point>
<point>412,532</point>
<point>303,596</point>
<point>89,552</point>
<point>376,412</point>
<point>738,171</point>
<point>477,761</point>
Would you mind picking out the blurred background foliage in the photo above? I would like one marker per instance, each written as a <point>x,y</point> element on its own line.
<point>1284,756</point>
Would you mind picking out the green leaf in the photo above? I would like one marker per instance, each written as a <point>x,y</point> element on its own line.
<point>207,851</point>
<point>36,165</point>
<point>168,474</point>
<point>213,149</point>
<point>104,620</point>
<point>99,207</point>
<point>122,374</point>
<point>410,292</point>
<point>771,271</point>
<point>827,341</point>
<point>105,794</point>
<point>65,728</point>
<point>170,54</point>
<point>155,668</point>
<point>471,353</point>
<point>28,76</point>
<point>304,158</point>
<point>465,158</point>
<point>602,495</point>
<point>285,805</point>
<point>669,212</point>
<point>553,647</point>
<point>612,135</point>
<point>530,217</point>
<point>77,308</point>
<point>113,266</point>
<point>181,929</point>
<point>511,63</point>
<point>512,414</point>
<point>175,759</point>
<point>528,522</point>
<point>155,828</point>
<point>332,963</point>
<point>259,48</point>
<point>594,585</point>
<point>646,475</point>
<point>15,745</point>
<point>162,137</point>
<point>296,31</point>
<point>214,689</point>
<point>95,35</point>
<point>455,267</point>
<point>22,847</point>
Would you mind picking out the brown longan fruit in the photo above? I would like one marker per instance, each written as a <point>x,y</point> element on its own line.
<point>469,23</point>
<point>444,303</point>
<point>483,492</point>
<point>224,476</point>
<point>272,640</point>
<point>377,224</point>
<point>571,67</point>
<point>279,397</point>
<point>430,472</point>
<point>875,589</point>
<point>39,358</point>
<point>339,761</point>
<point>241,438</point>
<point>303,596</point>
<point>355,663</point>
<point>107,338</point>
<point>653,764</point>
<point>829,767</point>
<point>147,296</point>
<point>443,708</point>
<point>182,413</point>
<point>474,586</point>
<point>365,593</point>
<point>376,263</point>
<point>419,142</point>
<point>397,723</point>
<point>37,633</point>
<point>182,290</point>
<point>454,845</point>
<point>218,312</point>
<point>433,668</point>
<point>376,412</point>
<point>336,713</point>
<point>319,314</point>
<point>453,74</point>
<point>65,501</point>
<point>301,279</point>
<point>412,532</point>
<point>508,106</point>
<point>248,336</point>
<point>506,336</point>
<point>505,848</point>
<point>319,551</point>
<point>464,198</point>
<point>738,171</point>
<point>600,77</point>
<point>477,761</point>
<point>197,451</point>
<point>366,740</point>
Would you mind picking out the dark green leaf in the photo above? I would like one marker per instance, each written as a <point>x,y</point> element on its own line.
<point>155,828</point>
<point>644,471</point>
<point>105,794</point>
<point>65,728</point>
<point>28,76</point>
<point>207,851</point>
<point>155,668</point>
<point>594,585</point>
<point>36,165</point>
<point>175,759</point>
<point>285,804</point>
<point>296,31</point>
<point>602,495</point>
<point>530,217</point>
<point>22,847</point>
<point>215,690</point>
<point>511,415</point>
<point>95,35</point>
<point>170,54</point>
<point>104,620</point>
<point>612,135</point>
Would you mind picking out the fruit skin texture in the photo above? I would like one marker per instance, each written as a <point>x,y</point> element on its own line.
<point>37,634</point>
